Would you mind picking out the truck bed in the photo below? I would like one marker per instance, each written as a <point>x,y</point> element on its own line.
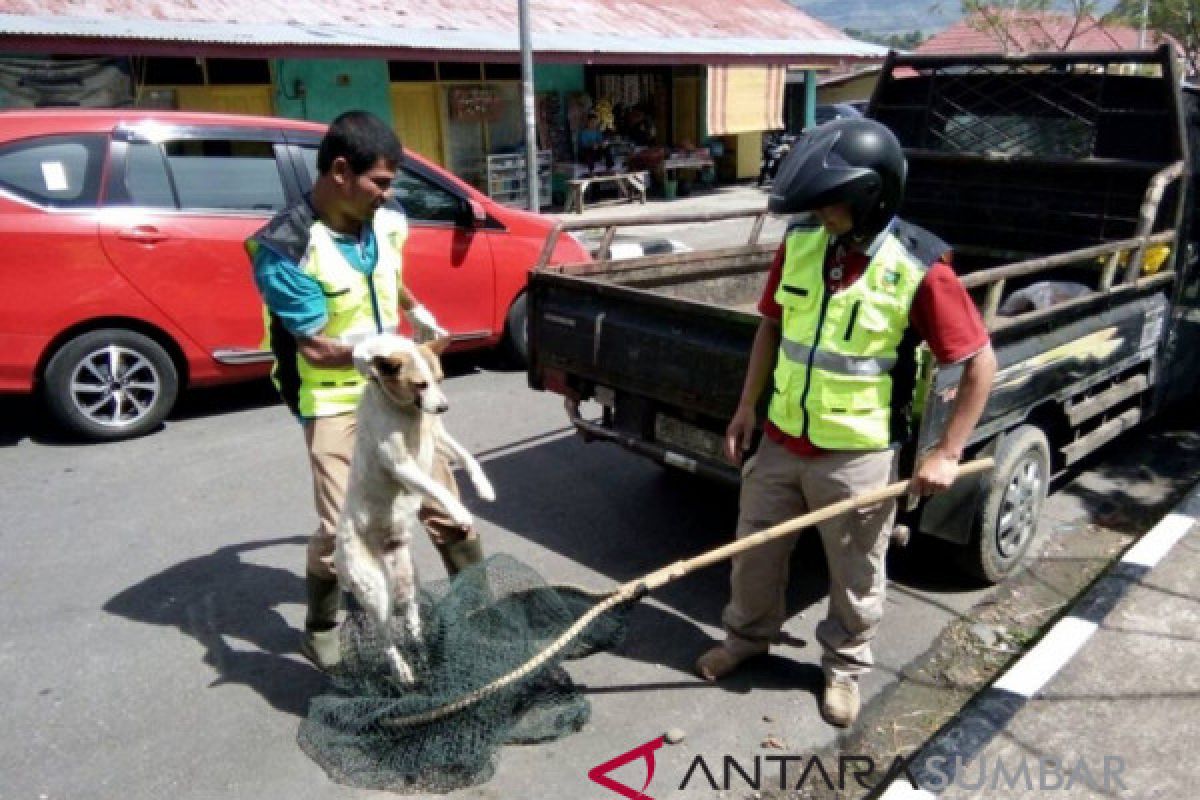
<point>676,344</point>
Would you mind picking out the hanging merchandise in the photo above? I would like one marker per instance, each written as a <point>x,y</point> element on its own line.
<point>553,131</point>
<point>604,113</point>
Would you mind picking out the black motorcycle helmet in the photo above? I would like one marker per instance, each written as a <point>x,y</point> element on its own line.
<point>856,161</point>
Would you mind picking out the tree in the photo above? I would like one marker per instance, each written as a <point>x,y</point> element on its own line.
<point>896,41</point>
<point>1179,19</point>
<point>1024,25</point>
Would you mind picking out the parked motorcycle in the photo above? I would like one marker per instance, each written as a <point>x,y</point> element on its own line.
<point>776,146</point>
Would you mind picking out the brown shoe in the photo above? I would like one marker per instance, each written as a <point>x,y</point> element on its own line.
<point>726,657</point>
<point>840,704</point>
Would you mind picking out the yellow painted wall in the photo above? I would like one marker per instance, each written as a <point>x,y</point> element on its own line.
<point>749,154</point>
<point>417,115</point>
<point>225,99</point>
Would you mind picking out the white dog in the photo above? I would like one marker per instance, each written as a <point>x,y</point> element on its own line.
<point>399,431</point>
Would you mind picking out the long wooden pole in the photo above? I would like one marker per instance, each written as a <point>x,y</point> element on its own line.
<point>632,590</point>
<point>677,570</point>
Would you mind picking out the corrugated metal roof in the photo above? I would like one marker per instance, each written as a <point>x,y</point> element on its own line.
<point>1030,31</point>
<point>670,27</point>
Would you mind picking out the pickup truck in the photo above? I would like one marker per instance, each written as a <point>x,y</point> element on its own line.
<point>1063,184</point>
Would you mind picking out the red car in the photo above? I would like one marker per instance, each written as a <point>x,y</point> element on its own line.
<point>124,276</point>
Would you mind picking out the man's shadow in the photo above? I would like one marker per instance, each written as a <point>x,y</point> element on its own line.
<point>229,605</point>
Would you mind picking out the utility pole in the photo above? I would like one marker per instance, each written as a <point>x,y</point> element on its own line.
<point>531,161</point>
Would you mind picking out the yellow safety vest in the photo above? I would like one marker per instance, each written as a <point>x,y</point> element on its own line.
<point>833,377</point>
<point>355,304</point>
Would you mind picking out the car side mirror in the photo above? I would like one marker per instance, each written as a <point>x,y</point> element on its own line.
<point>474,214</point>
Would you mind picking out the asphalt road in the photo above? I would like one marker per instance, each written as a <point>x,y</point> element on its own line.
<point>152,593</point>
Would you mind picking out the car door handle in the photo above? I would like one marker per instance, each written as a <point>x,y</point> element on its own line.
<point>146,234</point>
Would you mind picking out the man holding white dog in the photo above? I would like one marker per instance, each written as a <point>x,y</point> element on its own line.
<point>330,272</point>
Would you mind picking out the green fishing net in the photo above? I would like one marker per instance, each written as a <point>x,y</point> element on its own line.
<point>486,623</point>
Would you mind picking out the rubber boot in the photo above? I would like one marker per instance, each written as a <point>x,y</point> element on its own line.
<point>459,555</point>
<point>320,643</point>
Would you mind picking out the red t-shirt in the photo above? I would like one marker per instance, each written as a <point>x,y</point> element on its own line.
<point>942,313</point>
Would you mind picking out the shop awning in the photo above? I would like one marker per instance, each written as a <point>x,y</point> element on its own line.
<point>745,99</point>
<point>592,31</point>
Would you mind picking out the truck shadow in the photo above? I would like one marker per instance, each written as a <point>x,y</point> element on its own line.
<point>1132,482</point>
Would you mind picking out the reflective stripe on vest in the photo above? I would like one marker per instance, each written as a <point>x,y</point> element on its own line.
<point>356,305</point>
<point>833,362</point>
<point>833,378</point>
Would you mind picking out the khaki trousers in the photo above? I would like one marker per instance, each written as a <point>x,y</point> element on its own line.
<point>777,486</point>
<point>330,442</point>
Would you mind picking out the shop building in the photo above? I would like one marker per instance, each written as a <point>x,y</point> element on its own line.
<point>664,79</point>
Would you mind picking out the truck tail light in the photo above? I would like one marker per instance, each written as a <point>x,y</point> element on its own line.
<point>555,380</point>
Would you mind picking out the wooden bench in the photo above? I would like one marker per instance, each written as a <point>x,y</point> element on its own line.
<point>631,185</point>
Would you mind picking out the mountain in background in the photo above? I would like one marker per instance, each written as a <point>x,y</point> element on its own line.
<point>884,17</point>
<point>894,16</point>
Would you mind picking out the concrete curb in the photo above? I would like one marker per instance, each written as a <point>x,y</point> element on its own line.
<point>991,711</point>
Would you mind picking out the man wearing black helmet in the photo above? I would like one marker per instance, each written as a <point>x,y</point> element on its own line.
<point>845,306</point>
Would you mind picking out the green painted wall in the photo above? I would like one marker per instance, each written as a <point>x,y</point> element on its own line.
<point>331,86</point>
<point>558,77</point>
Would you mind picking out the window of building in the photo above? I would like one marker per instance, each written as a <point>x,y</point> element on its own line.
<point>458,71</point>
<point>502,72</point>
<point>56,171</point>
<point>412,71</point>
<point>171,72</point>
<point>238,71</point>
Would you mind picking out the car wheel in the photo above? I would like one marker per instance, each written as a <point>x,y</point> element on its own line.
<point>110,384</point>
<point>516,332</point>
<point>1007,523</point>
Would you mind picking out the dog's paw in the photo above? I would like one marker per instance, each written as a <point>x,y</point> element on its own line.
<point>400,668</point>
<point>462,518</point>
<point>483,487</point>
<point>412,620</point>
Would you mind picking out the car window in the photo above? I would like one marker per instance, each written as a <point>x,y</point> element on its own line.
<point>146,179</point>
<point>421,199</point>
<point>58,171</point>
<point>224,175</point>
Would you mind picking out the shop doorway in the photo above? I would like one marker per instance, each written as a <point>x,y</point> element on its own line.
<point>417,115</point>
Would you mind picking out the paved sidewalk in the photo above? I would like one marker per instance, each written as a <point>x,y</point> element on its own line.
<point>733,197</point>
<point>1107,704</point>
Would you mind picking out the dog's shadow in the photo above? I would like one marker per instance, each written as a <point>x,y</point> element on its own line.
<point>230,606</point>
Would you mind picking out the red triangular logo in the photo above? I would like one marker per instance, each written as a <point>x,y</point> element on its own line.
<point>599,774</point>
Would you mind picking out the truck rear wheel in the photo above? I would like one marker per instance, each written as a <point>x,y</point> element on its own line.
<point>1007,522</point>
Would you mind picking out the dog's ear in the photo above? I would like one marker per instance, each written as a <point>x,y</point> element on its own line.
<point>386,368</point>
<point>363,355</point>
<point>438,345</point>
<point>431,358</point>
